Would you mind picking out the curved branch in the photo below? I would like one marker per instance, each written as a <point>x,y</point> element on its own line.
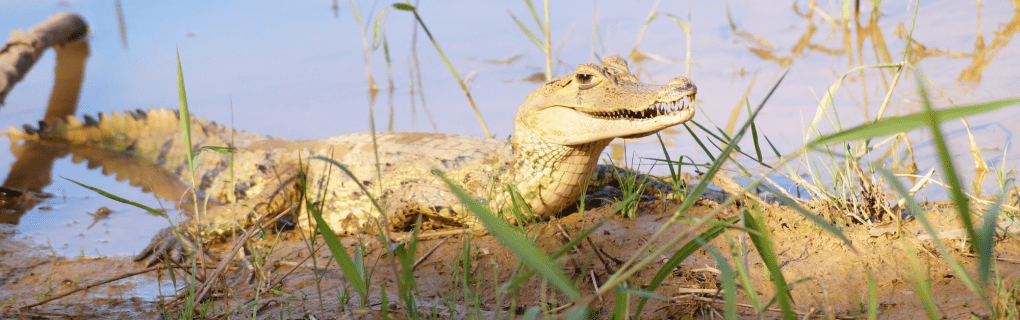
<point>23,48</point>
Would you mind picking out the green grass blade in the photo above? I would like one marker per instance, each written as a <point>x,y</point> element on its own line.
<point>582,313</point>
<point>357,15</point>
<point>872,297</point>
<point>121,200</point>
<point>892,125</point>
<point>739,254</point>
<point>640,293</point>
<point>378,25</point>
<point>351,175</point>
<point>810,216</point>
<point>694,194</point>
<point>405,253</point>
<point>669,163</point>
<point>774,150</point>
<point>933,119</point>
<point>687,33</point>
<point>754,132</point>
<point>680,255</point>
<point>698,141</point>
<point>986,237</point>
<point>710,132</point>
<point>220,150</point>
<point>726,276</point>
<point>352,270</point>
<point>919,279</point>
<point>531,313</point>
<point>562,250</point>
<point>768,256</point>
<point>359,261</point>
<point>698,189</point>
<point>534,14</point>
<point>463,86</point>
<point>922,217</point>
<point>403,7</point>
<point>524,28</point>
<point>681,22</point>
<point>340,254</point>
<point>676,162</point>
<point>620,305</point>
<point>515,241</point>
<point>183,114</point>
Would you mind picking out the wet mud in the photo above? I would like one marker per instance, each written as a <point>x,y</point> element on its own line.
<point>829,278</point>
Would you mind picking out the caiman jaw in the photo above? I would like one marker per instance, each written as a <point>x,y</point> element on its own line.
<point>657,109</point>
<point>628,123</point>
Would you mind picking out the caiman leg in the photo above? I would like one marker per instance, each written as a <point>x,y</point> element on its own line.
<point>432,201</point>
<point>281,195</point>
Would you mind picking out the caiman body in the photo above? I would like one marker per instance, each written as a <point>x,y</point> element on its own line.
<point>560,132</point>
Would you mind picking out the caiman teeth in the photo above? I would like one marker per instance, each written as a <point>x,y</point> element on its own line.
<point>654,110</point>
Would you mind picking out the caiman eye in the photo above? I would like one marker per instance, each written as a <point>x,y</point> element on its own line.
<point>583,78</point>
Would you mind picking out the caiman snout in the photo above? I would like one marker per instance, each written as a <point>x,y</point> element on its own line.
<point>680,82</point>
<point>679,86</point>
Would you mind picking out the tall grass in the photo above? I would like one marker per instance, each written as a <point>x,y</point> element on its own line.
<point>545,43</point>
<point>467,93</point>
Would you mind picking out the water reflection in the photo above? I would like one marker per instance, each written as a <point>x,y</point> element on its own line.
<point>32,169</point>
<point>983,55</point>
<point>866,45</point>
<point>870,35</point>
<point>875,71</point>
<point>22,188</point>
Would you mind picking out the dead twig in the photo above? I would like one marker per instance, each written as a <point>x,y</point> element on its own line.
<point>427,254</point>
<point>567,237</point>
<point>714,292</point>
<point>222,266</point>
<point>478,230</point>
<point>295,265</point>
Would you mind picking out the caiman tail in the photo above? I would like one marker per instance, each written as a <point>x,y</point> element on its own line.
<point>155,137</point>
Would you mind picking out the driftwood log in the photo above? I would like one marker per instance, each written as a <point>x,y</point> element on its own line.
<point>61,31</point>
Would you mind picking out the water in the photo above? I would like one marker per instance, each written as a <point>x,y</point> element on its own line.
<point>295,70</point>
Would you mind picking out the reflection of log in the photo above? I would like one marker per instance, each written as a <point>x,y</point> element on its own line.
<point>70,72</point>
<point>24,48</point>
<point>32,171</point>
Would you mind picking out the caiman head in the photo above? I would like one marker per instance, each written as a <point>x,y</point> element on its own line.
<point>601,102</point>
<point>562,128</point>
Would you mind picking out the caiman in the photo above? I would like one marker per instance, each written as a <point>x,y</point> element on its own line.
<point>560,131</point>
